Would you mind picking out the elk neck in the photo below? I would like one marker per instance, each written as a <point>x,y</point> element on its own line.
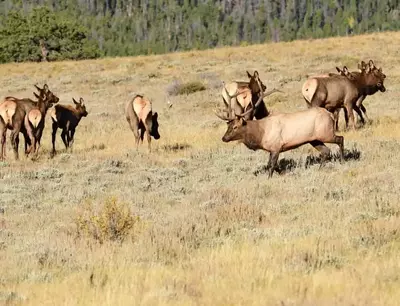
<point>252,135</point>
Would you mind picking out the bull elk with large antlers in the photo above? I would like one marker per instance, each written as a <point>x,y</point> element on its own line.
<point>281,132</point>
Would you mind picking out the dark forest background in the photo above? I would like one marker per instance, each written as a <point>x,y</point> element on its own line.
<point>78,29</point>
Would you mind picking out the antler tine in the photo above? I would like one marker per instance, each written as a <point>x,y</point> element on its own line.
<point>221,116</point>
<point>259,101</point>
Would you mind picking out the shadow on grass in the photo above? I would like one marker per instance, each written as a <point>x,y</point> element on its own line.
<point>288,164</point>
<point>175,147</point>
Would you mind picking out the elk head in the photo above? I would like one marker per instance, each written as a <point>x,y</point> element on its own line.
<point>237,122</point>
<point>154,126</point>
<point>374,80</point>
<point>80,107</point>
<point>371,68</point>
<point>42,91</point>
<point>255,84</point>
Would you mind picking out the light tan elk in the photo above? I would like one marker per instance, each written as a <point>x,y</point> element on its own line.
<point>339,91</point>
<point>34,123</point>
<point>285,131</point>
<point>240,95</point>
<point>66,118</point>
<point>13,112</point>
<point>141,120</point>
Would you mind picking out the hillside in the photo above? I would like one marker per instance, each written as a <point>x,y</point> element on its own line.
<point>76,29</point>
<point>211,229</point>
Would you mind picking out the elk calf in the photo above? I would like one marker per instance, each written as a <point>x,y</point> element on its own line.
<point>139,114</point>
<point>285,131</point>
<point>67,119</point>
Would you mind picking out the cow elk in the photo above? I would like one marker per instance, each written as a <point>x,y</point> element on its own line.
<point>285,131</point>
<point>142,120</point>
<point>13,112</point>
<point>34,123</point>
<point>336,92</point>
<point>66,118</point>
<point>239,96</point>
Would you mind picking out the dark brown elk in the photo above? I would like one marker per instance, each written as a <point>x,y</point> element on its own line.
<point>66,118</point>
<point>142,120</point>
<point>240,95</point>
<point>339,91</point>
<point>285,131</point>
<point>12,112</point>
<point>355,75</point>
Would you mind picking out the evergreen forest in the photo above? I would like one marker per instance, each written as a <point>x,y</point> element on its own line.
<point>35,30</point>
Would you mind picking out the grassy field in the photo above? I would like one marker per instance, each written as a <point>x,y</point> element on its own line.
<point>197,222</point>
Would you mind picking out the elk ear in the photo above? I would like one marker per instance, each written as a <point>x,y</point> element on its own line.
<point>256,74</point>
<point>155,116</point>
<point>46,87</point>
<point>345,70</point>
<point>371,64</point>
<point>81,101</point>
<point>338,69</point>
<point>36,95</point>
<point>380,69</point>
<point>242,121</point>
<point>248,74</point>
<point>73,100</point>
<point>38,88</point>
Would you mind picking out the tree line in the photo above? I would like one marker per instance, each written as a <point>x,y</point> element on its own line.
<point>34,30</point>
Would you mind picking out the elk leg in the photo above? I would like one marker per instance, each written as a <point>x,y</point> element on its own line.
<point>15,142</point>
<point>339,140</point>
<point>359,114</point>
<point>53,138</point>
<point>3,131</point>
<point>362,107</point>
<point>325,151</point>
<point>142,131</point>
<point>272,162</point>
<point>148,139</point>
<point>336,118</point>
<point>346,116</point>
<point>71,139</point>
<point>64,138</point>
<point>349,109</point>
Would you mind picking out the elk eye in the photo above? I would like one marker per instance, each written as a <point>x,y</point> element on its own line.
<point>379,84</point>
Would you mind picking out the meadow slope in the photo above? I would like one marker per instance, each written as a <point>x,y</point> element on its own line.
<point>209,227</point>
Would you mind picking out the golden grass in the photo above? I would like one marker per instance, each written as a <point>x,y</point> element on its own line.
<point>213,229</point>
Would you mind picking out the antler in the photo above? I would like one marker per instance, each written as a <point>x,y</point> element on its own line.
<point>222,116</point>
<point>259,101</point>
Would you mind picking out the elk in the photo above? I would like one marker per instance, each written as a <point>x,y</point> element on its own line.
<point>355,75</point>
<point>66,118</point>
<point>141,120</point>
<point>34,123</point>
<point>339,91</point>
<point>13,111</point>
<point>281,132</point>
<point>245,93</point>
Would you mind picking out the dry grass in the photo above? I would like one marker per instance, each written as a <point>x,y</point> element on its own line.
<point>213,229</point>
